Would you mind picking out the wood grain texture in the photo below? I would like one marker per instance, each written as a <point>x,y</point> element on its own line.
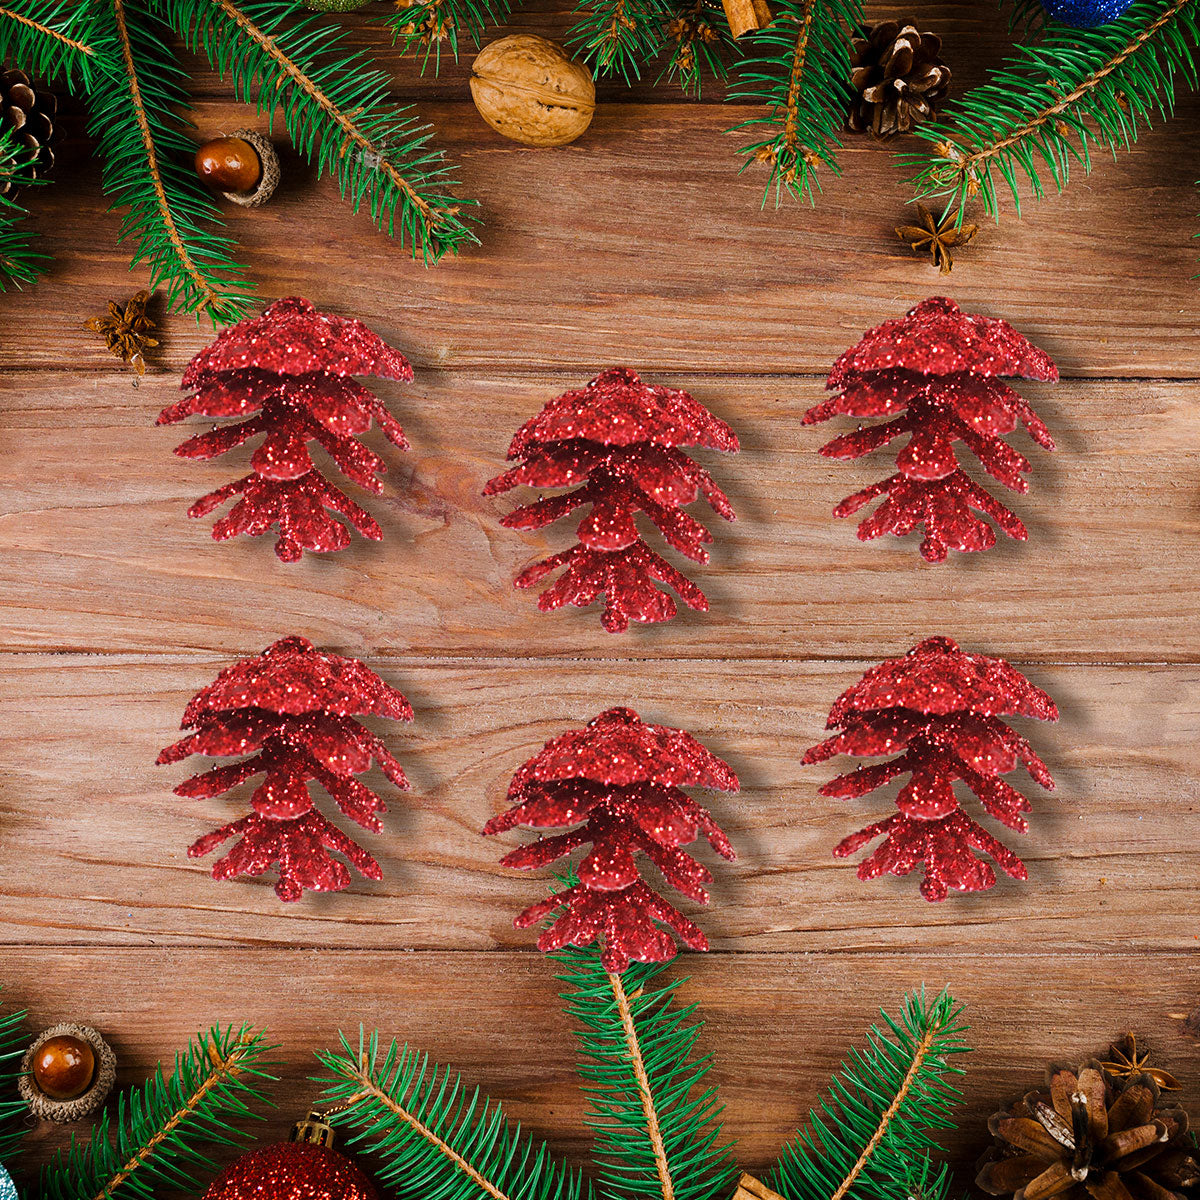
<point>639,244</point>
<point>1112,568</point>
<point>778,1024</point>
<point>93,845</point>
<point>582,263</point>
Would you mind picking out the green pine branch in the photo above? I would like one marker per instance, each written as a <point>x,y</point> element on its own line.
<point>797,69</point>
<point>20,262</point>
<point>427,25</point>
<point>162,1127</point>
<point>14,1041</point>
<point>618,37</point>
<point>336,110</point>
<point>697,39</point>
<point>54,37</point>
<point>1050,103</point>
<point>1027,17</point>
<point>435,1138</point>
<point>873,1134</point>
<point>147,161</point>
<point>657,1124</point>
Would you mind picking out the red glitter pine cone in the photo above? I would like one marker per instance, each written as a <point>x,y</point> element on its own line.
<point>619,783</point>
<point>941,369</point>
<point>941,708</point>
<point>291,367</point>
<point>292,709</point>
<point>619,439</point>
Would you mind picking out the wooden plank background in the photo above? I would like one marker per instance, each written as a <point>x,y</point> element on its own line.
<point>640,245</point>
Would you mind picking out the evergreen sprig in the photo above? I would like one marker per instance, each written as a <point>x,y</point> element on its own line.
<point>1049,104</point>
<point>55,37</point>
<point>435,1138</point>
<point>13,1043</point>
<point>335,105</point>
<point>698,40</point>
<point>1026,16</point>
<point>427,25</point>
<point>873,1134</point>
<point>162,1127</point>
<point>50,38</point>
<point>619,37</point>
<point>336,111</point>
<point>20,262</point>
<point>657,1125</point>
<point>798,69</point>
<point>147,158</point>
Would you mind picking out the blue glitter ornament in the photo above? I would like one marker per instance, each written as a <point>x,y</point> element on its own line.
<point>8,1189</point>
<point>1085,14</point>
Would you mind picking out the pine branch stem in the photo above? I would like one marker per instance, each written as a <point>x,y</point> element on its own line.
<point>223,1068</point>
<point>966,163</point>
<point>619,20</point>
<point>47,32</point>
<point>344,120</point>
<point>799,56</point>
<point>633,1046</point>
<point>368,1087</point>
<point>920,1054</point>
<point>209,297</point>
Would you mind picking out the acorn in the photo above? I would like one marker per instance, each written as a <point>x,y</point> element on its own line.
<point>64,1066</point>
<point>67,1073</point>
<point>242,167</point>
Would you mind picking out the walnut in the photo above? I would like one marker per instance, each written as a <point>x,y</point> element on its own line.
<point>529,89</point>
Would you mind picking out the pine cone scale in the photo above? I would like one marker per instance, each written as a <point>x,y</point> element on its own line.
<point>1027,1134</point>
<point>1053,1181</point>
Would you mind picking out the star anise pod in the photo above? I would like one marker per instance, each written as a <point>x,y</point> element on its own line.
<point>1125,1061</point>
<point>126,331</point>
<point>936,237</point>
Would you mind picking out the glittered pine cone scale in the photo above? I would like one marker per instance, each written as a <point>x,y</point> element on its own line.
<point>1089,1136</point>
<point>897,78</point>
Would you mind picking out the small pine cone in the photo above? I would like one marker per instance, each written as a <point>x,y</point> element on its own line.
<point>29,111</point>
<point>1090,1136</point>
<point>897,78</point>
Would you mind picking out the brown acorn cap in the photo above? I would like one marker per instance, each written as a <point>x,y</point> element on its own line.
<point>268,181</point>
<point>64,1111</point>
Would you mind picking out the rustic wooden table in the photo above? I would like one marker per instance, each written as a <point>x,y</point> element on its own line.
<point>637,245</point>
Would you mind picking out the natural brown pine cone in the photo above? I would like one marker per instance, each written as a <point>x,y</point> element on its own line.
<point>897,78</point>
<point>28,110</point>
<point>1090,1136</point>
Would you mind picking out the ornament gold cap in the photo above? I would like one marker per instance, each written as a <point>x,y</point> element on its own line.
<point>314,1130</point>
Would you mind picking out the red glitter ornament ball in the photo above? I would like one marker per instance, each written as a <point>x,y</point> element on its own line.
<point>287,372</point>
<point>618,438</point>
<point>940,709</point>
<point>619,781</point>
<point>939,369</point>
<point>292,1171</point>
